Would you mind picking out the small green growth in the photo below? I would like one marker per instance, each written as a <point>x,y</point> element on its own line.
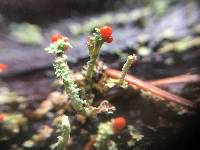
<point>130,60</point>
<point>135,135</point>
<point>58,47</point>
<point>63,139</point>
<point>104,133</point>
<point>94,49</point>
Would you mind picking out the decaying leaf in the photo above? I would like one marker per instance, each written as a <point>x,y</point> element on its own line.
<point>11,125</point>
<point>44,133</point>
<point>8,97</point>
<point>55,99</point>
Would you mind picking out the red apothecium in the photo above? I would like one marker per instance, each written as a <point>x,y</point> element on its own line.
<point>3,67</point>
<point>1,118</point>
<point>106,33</point>
<point>119,123</point>
<point>56,37</point>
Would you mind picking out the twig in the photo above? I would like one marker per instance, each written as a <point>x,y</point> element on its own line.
<point>139,84</point>
<point>180,79</point>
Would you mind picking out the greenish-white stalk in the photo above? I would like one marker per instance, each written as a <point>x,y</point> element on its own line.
<point>62,71</point>
<point>94,47</point>
<point>94,54</point>
<point>127,65</point>
<point>105,130</point>
<point>63,139</point>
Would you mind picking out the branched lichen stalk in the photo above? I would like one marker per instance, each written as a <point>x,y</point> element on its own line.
<point>90,68</point>
<point>62,71</point>
<point>94,54</point>
<point>104,133</point>
<point>65,135</point>
<point>127,65</point>
<point>94,46</point>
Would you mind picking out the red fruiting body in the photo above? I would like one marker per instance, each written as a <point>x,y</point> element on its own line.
<point>118,124</point>
<point>1,118</point>
<point>106,32</point>
<point>56,37</point>
<point>3,67</point>
<point>109,40</point>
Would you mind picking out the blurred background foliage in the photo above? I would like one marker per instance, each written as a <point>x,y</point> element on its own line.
<point>148,26</point>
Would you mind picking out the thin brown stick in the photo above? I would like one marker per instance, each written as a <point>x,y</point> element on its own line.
<point>139,84</point>
<point>180,79</point>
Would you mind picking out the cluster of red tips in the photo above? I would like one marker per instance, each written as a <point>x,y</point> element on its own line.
<point>3,67</point>
<point>119,123</point>
<point>2,118</point>
<point>56,37</point>
<point>106,34</point>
